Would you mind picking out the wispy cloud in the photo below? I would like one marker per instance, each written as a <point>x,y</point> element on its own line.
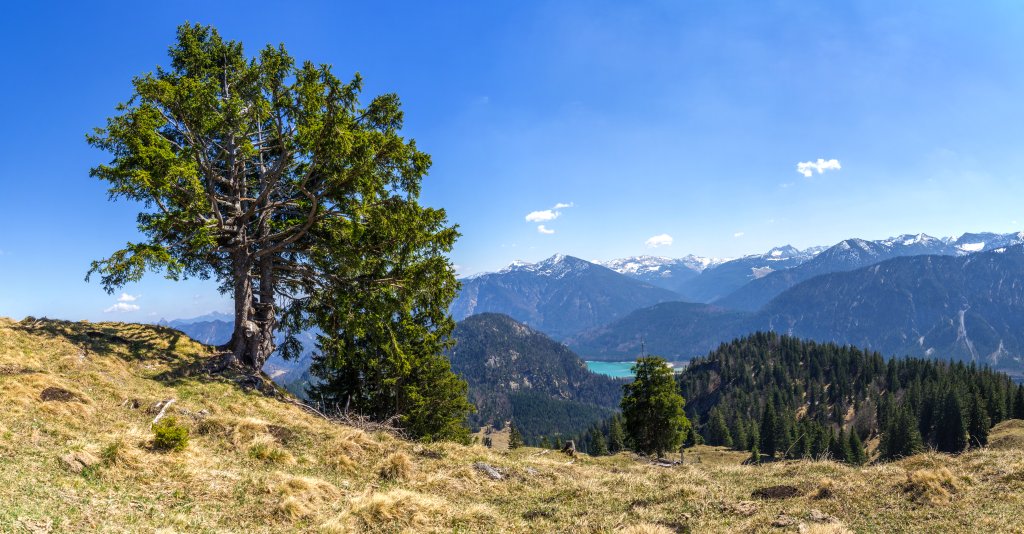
<point>660,240</point>
<point>542,229</point>
<point>125,297</point>
<point>807,168</point>
<point>563,205</point>
<point>122,307</point>
<point>738,234</point>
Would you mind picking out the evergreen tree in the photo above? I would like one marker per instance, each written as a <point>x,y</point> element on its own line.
<point>755,455</point>
<point>858,456</point>
<point>901,437</point>
<point>839,447</point>
<point>264,172</point>
<point>978,423</point>
<point>739,436</point>
<point>653,408</point>
<point>768,433</point>
<point>802,445</point>
<point>692,438</point>
<point>717,432</point>
<point>515,439</point>
<point>1018,403</point>
<point>950,428</point>
<point>544,443</point>
<point>616,436</point>
<point>270,176</point>
<point>598,445</point>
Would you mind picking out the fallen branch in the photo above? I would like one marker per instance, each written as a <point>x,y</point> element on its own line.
<point>489,471</point>
<point>163,410</point>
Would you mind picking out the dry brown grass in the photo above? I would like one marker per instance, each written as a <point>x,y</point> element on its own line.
<point>397,466</point>
<point>257,464</point>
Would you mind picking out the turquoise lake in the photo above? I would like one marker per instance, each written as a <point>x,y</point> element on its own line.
<point>615,369</point>
<point>622,369</point>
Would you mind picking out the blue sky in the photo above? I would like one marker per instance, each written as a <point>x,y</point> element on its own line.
<point>649,118</point>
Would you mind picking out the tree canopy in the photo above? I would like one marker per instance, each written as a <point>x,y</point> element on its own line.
<point>272,177</point>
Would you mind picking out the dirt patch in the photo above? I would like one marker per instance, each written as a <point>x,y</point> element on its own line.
<point>743,508</point>
<point>282,434</point>
<point>539,513</point>
<point>58,395</point>
<point>776,492</point>
<point>10,370</point>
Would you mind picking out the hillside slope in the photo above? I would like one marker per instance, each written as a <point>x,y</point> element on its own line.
<point>515,372</point>
<point>257,463</point>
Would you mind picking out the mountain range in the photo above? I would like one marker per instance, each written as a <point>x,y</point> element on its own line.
<point>910,294</point>
<point>968,308</point>
<point>559,296</point>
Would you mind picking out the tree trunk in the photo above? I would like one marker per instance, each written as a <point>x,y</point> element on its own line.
<point>252,341</point>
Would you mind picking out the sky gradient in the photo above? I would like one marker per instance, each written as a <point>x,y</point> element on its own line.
<point>596,129</point>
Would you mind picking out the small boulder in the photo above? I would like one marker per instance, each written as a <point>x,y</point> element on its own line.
<point>77,461</point>
<point>783,521</point>
<point>818,516</point>
<point>489,471</point>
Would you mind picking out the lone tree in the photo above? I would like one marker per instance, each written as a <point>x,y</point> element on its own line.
<point>653,408</point>
<point>272,178</point>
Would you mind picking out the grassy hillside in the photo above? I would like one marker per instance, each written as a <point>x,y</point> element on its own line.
<point>76,401</point>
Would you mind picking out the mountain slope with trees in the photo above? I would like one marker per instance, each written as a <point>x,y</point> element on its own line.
<point>804,399</point>
<point>517,373</point>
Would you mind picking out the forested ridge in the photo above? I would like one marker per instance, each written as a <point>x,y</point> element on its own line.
<point>799,398</point>
<point>516,373</point>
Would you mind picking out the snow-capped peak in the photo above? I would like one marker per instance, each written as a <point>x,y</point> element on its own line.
<point>660,265</point>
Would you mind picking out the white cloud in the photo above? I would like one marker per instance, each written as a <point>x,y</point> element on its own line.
<point>738,234</point>
<point>122,307</point>
<point>807,168</point>
<point>543,215</point>
<point>547,215</point>
<point>660,240</point>
<point>125,297</point>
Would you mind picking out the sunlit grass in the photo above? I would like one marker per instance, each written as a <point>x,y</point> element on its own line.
<point>254,463</point>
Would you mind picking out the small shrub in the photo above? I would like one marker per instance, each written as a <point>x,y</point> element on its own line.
<point>168,435</point>
<point>397,466</point>
<point>120,453</point>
